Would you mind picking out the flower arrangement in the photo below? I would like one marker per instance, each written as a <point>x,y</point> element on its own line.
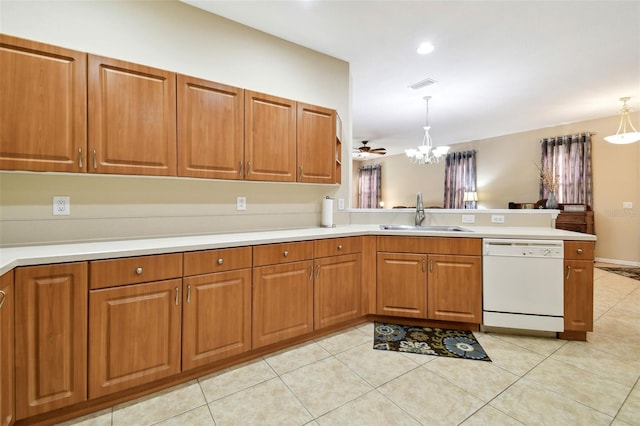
<point>550,181</point>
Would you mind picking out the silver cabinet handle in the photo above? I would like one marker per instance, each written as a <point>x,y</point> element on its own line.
<point>4,297</point>
<point>299,172</point>
<point>579,251</point>
<point>220,261</point>
<point>430,265</point>
<point>285,253</point>
<point>568,271</point>
<point>248,168</point>
<point>310,272</point>
<point>339,246</point>
<point>95,159</point>
<point>188,293</point>
<point>177,299</point>
<point>424,266</point>
<point>240,169</point>
<point>317,271</point>
<point>80,165</point>
<point>138,271</point>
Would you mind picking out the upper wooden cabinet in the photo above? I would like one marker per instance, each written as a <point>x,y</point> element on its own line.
<point>43,110</point>
<point>316,144</point>
<point>132,118</point>
<point>270,138</point>
<point>210,129</point>
<point>51,337</point>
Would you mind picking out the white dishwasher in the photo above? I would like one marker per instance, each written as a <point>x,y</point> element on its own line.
<point>522,284</point>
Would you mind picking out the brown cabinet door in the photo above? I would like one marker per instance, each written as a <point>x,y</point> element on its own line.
<point>51,337</point>
<point>7,383</point>
<point>43,107</point>
<point>216,317</point>
<point>454,288</point>
<point>402,285</point>
<point>134,335</point>
<point>270,138</point>
<point>132,118</point>
<point>316,144</point>
<point>282,302</point>
<point>210,129</point>
<point>578,295</point>
<point>337,290</point>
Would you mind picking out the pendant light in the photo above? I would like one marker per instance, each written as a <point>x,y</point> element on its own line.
<point>426,153</point>
<point>626,132</point>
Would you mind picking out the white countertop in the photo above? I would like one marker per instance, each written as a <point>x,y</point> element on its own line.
<point>12,257</point>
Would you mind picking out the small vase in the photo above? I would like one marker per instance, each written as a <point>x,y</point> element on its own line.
<point>552,203</point>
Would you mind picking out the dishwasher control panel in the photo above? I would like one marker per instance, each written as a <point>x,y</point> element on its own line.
<point>523,248</point>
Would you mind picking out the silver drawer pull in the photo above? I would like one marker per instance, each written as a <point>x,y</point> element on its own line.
<point>4,297</point>
<point>139,270</point>
<point>285,253</point>
<point>579,251</point>
<point>220,261</point>
<point>339,246</point>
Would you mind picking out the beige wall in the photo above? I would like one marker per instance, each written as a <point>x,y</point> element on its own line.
<point>174,36</point>
<point>506,171</point>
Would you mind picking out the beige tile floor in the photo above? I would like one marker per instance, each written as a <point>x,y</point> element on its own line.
<point>341,380</point>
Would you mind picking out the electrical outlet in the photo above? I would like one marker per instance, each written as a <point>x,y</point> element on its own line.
<point>241,203</point>
<point>627,205</point>
<point>497,218</point>
<point>340,203</point>
<point>468,218</point>
<point>61,206</point>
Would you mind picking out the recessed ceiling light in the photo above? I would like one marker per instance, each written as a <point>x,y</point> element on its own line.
<point>425,48</point>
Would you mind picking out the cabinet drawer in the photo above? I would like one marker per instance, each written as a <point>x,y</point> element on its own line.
<point>134,270</point>
<point>272,254</point>
<point>208,261</point>
<point>337,246</point>
<point>579,250</point>
<point>432,245</point>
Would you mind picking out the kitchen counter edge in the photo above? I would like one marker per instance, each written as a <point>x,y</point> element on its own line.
<point>12,257</point>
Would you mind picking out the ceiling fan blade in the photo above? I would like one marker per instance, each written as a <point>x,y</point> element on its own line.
<point>377,152</point>
<point>377,149</point>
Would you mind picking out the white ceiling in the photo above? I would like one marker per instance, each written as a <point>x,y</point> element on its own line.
<point>501,66</point>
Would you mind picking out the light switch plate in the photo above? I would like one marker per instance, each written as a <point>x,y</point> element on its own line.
<point>627,205</point>
<point>340,203</point>
<point>468,218</point>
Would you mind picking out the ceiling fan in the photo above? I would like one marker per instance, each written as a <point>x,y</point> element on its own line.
<point>365,149</point>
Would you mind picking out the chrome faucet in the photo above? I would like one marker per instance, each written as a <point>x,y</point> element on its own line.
<point>419,210</point>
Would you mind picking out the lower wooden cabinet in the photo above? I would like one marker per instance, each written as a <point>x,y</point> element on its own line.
<point>134,335</point>
<point>216,320</point>
<point>401,285</point>
<point>454,288</point>
<point>7,381</point>
<point>337,290</point>
<point>51,337</point>
<point>578,289</point>
<point>282,302</point>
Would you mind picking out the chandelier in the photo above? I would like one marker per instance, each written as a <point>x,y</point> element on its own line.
<point>623,136</point>
<point>426,153</point>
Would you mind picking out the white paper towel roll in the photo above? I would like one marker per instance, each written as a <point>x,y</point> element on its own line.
<point>327,212</point>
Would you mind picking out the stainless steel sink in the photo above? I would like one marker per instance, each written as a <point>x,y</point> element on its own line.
<point>436,228</point>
